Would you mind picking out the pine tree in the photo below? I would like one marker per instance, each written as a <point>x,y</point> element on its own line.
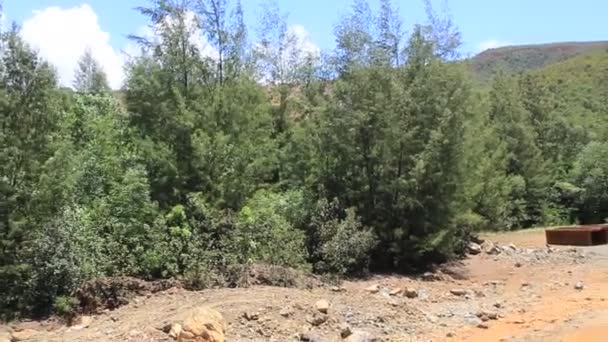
<point>524,158</point>
<point>29,116</point>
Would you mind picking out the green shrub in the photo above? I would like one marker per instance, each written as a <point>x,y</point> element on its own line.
<point>343,246</point>
<point>64,306</point>
<point>265,233</point>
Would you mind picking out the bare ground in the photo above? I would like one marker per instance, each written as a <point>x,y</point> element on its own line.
<point>530,290</point>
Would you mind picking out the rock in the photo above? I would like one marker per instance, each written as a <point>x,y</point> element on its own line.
<point>373,289</point>
<point>203,325</point>
<point>485,316</point>
<point>251,316</point>
<point>361,336</point>
<point>84,322</point>
<point>490,248</point>
<point>525,284</point>
<point>338,289</point>
<point>322,306</point>
<point>428,276</point>
<point>175,330</point>
<point>5,336</point>
<point>316,319</point>
<point>482,326</point>
<point>518,264</point>
<point>458,292</point>
<point>23,335</point>
<point>579,286</point>
<point>134,333</point>
<point>498,305</point>
<point>173,290</point>
<point>477,239</point>
<point>411,292</point>
<point>345,330</point>
<point>309,337</point>
<point>286,312</point>
<point>519,321</point>
<point>396,292</point>
<point>512,247</point>
<point>474,248</point>
<point>450,334</point>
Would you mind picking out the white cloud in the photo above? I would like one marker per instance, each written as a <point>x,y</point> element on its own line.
<point>62,35</point>
<point>303,42</point>
<point>492,44</point>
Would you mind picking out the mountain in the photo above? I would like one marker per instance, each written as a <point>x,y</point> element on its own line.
<point>581,82</point>
<point>523,58</point>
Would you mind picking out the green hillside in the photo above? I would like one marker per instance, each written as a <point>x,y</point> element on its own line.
<point>528,57</point>
<point>581,84</point>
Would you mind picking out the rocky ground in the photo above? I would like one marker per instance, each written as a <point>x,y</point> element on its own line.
<point>512,289</point>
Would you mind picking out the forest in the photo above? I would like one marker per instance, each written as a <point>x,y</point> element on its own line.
<point>383,154</point>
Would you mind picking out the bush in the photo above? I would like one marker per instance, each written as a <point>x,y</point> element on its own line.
<point>67,253</point>
<point>343,246</point>
<point>65,306</point>
<point>265,232</point>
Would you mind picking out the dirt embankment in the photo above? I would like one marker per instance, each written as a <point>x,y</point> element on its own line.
<point>514,290</point>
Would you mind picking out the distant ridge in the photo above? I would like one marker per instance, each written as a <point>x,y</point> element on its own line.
<point>521,58</point>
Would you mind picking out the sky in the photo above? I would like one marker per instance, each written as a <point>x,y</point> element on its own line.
<point>62,29</point>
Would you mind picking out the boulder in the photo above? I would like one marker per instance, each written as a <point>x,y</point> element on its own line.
<point>429,276</point>
<point>322,306</point>
<point>474,248</point>
<point>373,289</point>
<point>483,326</point>
<point>23,335</point>
<point>458,292</point>
<point>579,286</point>
<point>485,316</point>
<point>411,292</point>
<point>490,248</point>
<point>361,336</point>
<point>84,322</point>
<point>251,316</point>
<point>286,312</point>
<point>396,291</point>
<point>309,337</point>
<point>317,319</point>
<point>175,330</point>
<point>345,330</point>
<point>203,325</point>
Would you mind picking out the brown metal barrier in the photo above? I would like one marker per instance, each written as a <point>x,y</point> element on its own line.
<point>578,235</point>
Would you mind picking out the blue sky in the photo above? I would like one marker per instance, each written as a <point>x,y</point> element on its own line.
<point>482,23</point>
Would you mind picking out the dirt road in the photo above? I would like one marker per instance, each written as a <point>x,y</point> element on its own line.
<point>516,290</point>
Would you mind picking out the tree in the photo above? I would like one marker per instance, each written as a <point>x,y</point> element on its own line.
<point>590,176</point>
<point>442,31</point>
<point>90,77</point>
<point>29,113</point>
<point>354,38</point>
<point>524,160</point>
<point>390,33</point>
